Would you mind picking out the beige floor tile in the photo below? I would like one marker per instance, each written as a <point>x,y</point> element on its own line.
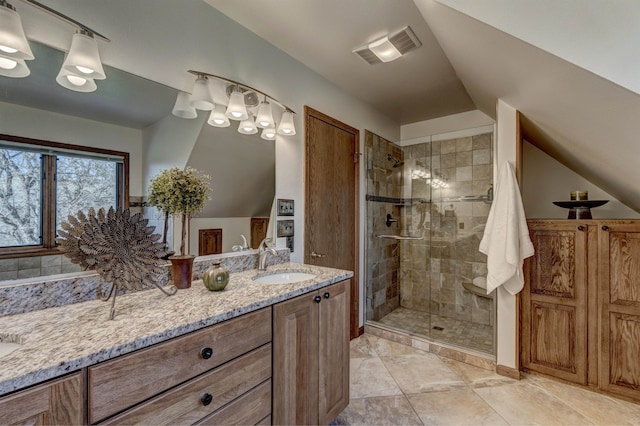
<point>421,373</point>
<point>598,408</point>
<point>526,404</point>
<point>370,378</point>
<point>361,347</point>
<point>476,376</point>
<point>387,348</point>
<point>454,407</point>
<point>390,410</point>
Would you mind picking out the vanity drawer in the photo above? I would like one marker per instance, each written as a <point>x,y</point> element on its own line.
<point>186,403</point>
<point>127,380</point>
<point>252,408</point>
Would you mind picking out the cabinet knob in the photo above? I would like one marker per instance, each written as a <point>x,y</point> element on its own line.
<point>206,353</point>
<point>605,228</point>
<point>206,399</point>
<point>317,299</point>
<point>580,228</point>
<point>327,295</point>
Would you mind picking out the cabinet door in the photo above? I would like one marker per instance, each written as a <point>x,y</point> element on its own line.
<point>554,301</point>
<point>58,402</point>
<point>334,351</point>
<point>619,273</point>
<point>295,361</point>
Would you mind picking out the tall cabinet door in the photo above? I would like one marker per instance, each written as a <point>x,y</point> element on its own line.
<point>334,351</point>
<point>619,273</point>
<point>295,361</point>
<point>554,301</point>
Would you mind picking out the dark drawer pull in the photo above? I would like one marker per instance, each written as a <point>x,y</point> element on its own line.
<point>206,399</point>
<point>327,295</point>
<point>605,228</point>
<point>206,353</point>
<point>317,299</point>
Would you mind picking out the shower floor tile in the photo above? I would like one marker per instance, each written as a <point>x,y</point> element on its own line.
<point>460,333</point>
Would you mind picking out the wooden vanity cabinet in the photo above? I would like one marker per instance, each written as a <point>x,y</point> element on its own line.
<point>311,356</point>
<point>185,379</point>
<point>57,402</point>
<point>580,307</point>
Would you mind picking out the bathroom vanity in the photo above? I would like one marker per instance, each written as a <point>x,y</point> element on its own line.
<point>197,357</point>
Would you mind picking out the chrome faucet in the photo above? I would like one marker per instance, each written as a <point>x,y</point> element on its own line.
<point>263,251</point>
<point>243,247</point>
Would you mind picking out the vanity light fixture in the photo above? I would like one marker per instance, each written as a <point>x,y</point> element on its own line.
<point>82,63</point>
<point>228,99</point>
<point>14,47</point>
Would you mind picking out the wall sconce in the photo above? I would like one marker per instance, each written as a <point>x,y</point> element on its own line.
<point>231,100</point>
<point>82,65</point>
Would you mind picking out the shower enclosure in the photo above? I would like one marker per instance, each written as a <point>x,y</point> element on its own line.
<point>427,205</point>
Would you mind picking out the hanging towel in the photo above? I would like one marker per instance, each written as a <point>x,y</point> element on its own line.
<point>506,239</point>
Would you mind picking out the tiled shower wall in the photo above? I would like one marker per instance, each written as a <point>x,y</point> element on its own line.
<point>433,270</point>
<point>427,272</point>
<point>384,191</point>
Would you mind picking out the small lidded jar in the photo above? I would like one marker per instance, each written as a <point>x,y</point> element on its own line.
<point>216,277</point>
<point>579,195</point>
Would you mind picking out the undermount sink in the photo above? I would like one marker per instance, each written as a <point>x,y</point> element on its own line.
<point>284,277</point>
<point>8,344</point>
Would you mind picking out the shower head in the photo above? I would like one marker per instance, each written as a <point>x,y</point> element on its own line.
<point>396,162</point>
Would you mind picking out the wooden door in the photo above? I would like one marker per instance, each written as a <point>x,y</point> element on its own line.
<point>331,188</point>
<point>333,351</point>
<point>295,361</point>
<point>209,241</point>
<point>59,402</point>
<point>619,273</point>
<point>554,301</point>
<point>259,226</point>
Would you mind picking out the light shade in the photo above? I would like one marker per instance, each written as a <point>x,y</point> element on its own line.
<point>201,97</point>
<point>182,108</point>
<point>247,126</point>
<point>13,42</point>
<point>13,67</point>
<point>217,118</point>
<point>286,127</point>
<point>73,81</point>
<point>83,58</point>
<point>268,133</point>
<point>265,117</point>
<point>237,109</point>
<point>384,49</point>
<point>218,90</point>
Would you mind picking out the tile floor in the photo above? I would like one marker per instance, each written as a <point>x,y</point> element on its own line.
<point>461,333</point>
<point>394,384</point>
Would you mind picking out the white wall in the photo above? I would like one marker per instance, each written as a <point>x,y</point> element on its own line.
<point>599,36</point>
<point>232,228</point>
<point>545,180</point>
<point>506,326</point>
<point>34,123</point>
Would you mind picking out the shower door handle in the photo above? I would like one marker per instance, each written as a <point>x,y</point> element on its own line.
<point>318,255</point>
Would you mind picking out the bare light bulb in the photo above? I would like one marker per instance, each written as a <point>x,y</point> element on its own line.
<point>84,70</point>
<point>7,49</point>
<point>7,64</point>
<point>76,81</point>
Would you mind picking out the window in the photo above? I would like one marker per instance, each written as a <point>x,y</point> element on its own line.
<point>42,183</point>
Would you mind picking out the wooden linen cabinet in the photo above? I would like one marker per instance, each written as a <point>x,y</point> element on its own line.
<point>580,308</point>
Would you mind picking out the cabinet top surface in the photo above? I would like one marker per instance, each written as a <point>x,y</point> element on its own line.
<point>60,340</point>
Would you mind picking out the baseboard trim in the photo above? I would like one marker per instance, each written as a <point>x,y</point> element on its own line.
<point>361,331</point>
<point>512,373</point>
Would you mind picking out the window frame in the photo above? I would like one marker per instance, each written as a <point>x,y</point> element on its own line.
<point>48,245</point>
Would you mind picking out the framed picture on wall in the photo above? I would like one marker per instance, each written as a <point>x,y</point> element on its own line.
<point>285,207</point>
<point>285,228</point>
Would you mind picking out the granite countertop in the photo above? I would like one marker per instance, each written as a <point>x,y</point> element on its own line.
<point>60,340</point>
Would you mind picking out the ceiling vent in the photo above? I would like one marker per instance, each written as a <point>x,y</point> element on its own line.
<point>389,47</point>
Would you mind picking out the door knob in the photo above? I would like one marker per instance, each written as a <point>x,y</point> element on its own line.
<point>318,255</point>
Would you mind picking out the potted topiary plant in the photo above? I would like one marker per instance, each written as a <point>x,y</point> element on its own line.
<point>180,193</point>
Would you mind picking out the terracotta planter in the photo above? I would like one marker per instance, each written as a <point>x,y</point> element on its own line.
<point>181,270</point>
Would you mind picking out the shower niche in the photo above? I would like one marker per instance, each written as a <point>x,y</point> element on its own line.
<point>424,273</point>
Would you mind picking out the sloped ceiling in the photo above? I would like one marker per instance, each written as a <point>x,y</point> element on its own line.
<point>588,123</point>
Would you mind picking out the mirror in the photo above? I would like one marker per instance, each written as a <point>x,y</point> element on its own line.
<point>242,167</point>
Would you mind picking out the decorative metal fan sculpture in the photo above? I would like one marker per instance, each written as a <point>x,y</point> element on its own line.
<point>117,245</point>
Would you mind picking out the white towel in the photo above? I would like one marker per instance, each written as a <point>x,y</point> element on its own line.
<point>506,239</point>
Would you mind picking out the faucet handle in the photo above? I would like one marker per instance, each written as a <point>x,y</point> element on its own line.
<point>245,246</point>
<point>264,243</point>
